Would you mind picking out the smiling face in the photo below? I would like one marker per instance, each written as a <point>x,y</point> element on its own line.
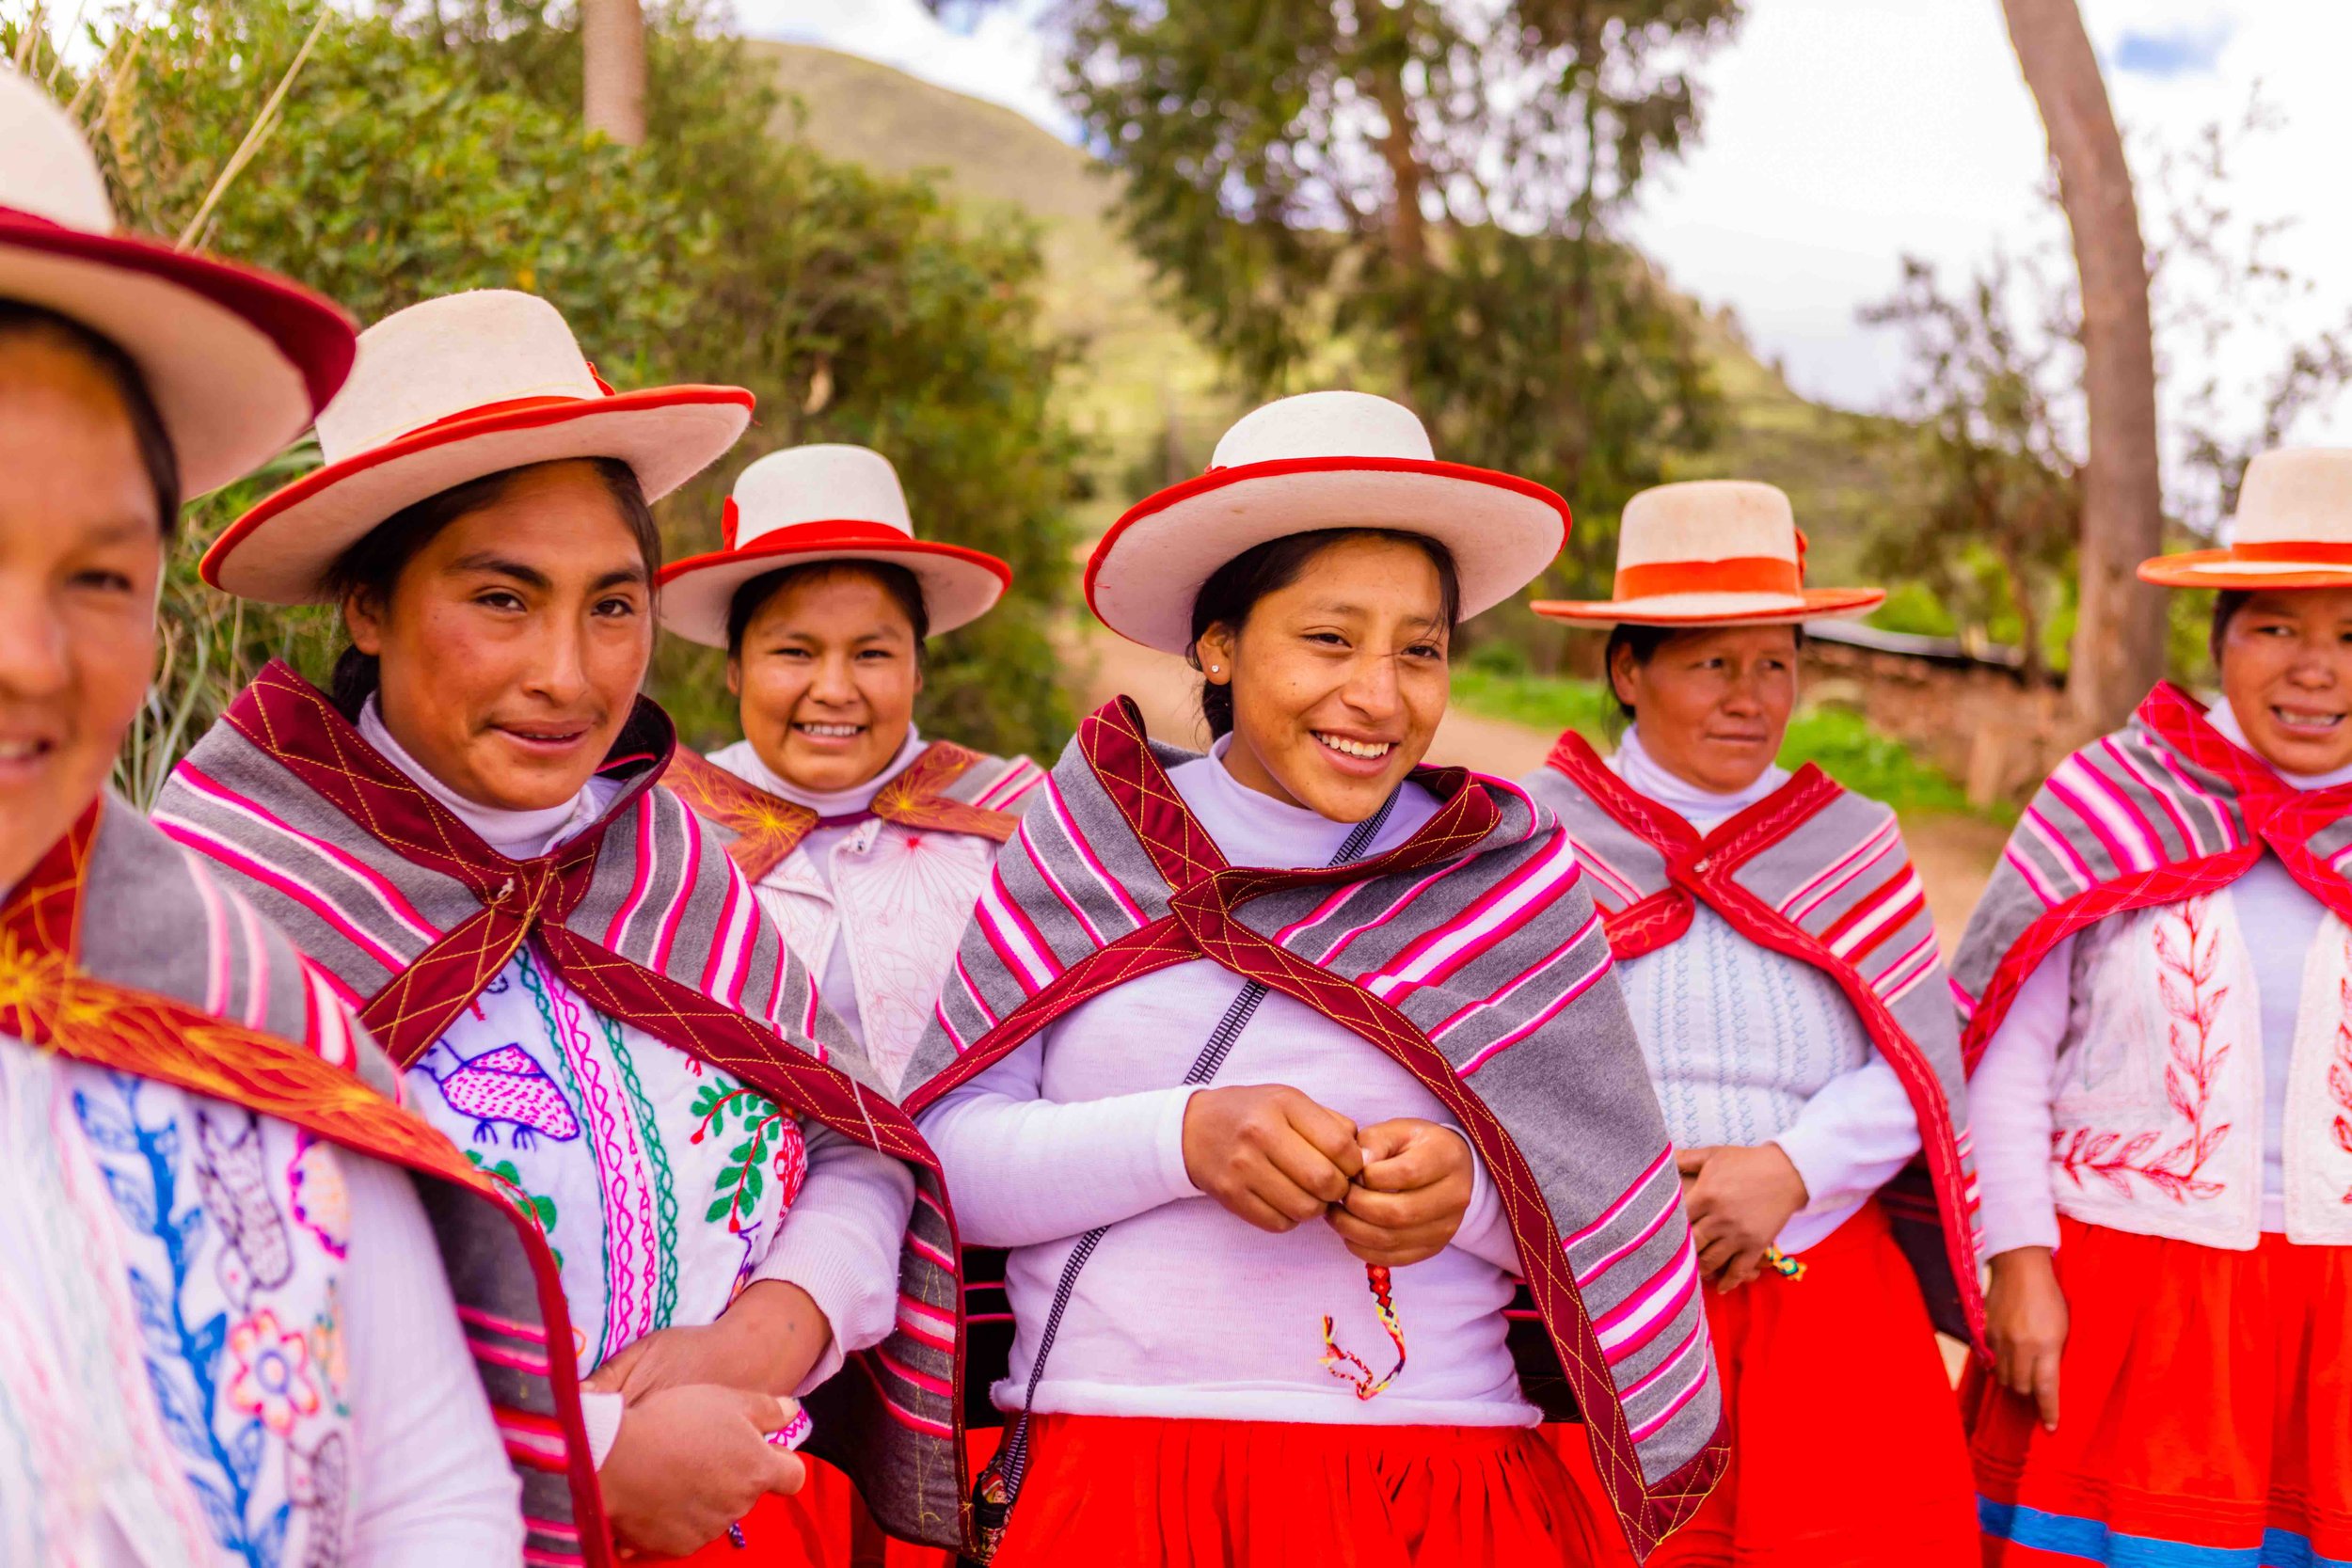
<point>827,673</point>
<point>2286,668</point>
<point>81,558</point>
<point>1712,705</point>
<point>513,643</point>
<point>1338,679</point>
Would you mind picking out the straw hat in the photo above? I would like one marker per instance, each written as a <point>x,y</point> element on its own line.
<point>452,390</point>
<point>1322,460</point>
<point>823,502</point>
<point>2293,529</point>
<point>1713,552</point>
<point>236,361</point>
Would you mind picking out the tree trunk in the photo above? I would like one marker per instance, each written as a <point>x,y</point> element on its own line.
<point>2119,635</point>
<point>613,48</point>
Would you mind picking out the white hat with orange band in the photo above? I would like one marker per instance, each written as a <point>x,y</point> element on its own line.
<point>2293,529</point>
<point>823,502</point>
<point>452,390</point>
<point>1713,552</point>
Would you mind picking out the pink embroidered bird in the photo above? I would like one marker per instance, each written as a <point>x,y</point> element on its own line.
<point>503,1084</point>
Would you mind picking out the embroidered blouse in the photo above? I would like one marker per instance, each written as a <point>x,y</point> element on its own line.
<point>652,1159</point>
<point>2011,1088</point>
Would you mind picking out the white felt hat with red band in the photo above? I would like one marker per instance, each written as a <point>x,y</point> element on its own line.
<point>1713,552</point>
<point>1307,464</point>
<point>452,391</point>
<point>2293,529</point>
<point>235,360</point>
<point>823,502</point>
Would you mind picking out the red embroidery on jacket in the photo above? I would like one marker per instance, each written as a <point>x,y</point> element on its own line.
<point>2194,1004</point>
<point>2340,1070</point>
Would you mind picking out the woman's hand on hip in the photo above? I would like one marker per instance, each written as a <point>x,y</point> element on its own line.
<point>1415,1188</point>
<point>689,1461</point>
<point>1738,1199</point>
<point>1268,1154</point>
<point>2026,1320</point>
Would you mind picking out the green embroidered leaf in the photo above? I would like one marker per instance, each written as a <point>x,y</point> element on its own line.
<point>719,1209</point>
<point>753,1182</point>
<point>747,1149</point>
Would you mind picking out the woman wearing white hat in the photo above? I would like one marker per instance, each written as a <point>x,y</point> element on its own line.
<point>1273,1068</point>
<point>577,983</point>
<point>2161,975</point>
<point>1783,976</point>
<point>226,1333</point>
<point>866,842</point>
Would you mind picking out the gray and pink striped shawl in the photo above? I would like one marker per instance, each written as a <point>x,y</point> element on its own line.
<point>1472,954</point>
<point>2161,811</point>
<point>645,917</point>
<point>1819,874</point>
<point>154,967</point>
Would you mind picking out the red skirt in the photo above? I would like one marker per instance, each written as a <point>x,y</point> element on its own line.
<point>1846,1442</point>
<point>1139,1493</point>
<point>2204,1412</point>
<point>823,1525</point>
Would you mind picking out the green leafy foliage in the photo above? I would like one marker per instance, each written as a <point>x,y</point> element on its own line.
<point>420,152</point>
<point>1422,198</point>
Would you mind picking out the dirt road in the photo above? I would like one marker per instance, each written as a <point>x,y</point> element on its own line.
<point>1954,854</point>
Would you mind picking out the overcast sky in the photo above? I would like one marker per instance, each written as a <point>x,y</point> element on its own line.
<point>1841,134</point>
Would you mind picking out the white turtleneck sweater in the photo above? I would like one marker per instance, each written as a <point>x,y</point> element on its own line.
<point>2009,1095</point>
<point>1185,1310</point>
<point>835,982</point>
<point>839,1243</point>
<point>1747,1046</point>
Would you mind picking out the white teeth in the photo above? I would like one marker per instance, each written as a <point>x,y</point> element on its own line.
<point>2308,720</point>
<point>832,732</point>
<point>1370,750</point>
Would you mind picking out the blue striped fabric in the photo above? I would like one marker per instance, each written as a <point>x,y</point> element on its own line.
<point>2089,1541</point>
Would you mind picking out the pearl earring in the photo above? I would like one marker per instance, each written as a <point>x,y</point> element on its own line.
<point>1212,669</point>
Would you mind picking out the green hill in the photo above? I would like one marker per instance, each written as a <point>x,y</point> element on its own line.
<point>1141,375</point>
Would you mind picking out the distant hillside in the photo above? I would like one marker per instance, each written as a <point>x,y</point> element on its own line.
<point>1140,365</point>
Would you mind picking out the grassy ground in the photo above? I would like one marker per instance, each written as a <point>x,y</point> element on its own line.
<point>1846,747</point>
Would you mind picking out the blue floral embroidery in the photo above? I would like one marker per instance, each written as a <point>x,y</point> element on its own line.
<point>183,1361</point>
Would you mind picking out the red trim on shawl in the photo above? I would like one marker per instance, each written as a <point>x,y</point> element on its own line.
<point>1200,922</point>
<point>2267,802</point>
<point>48,1003</point>
<point>1705,867</point>
<point>294,722</point>
<point>767,827</point>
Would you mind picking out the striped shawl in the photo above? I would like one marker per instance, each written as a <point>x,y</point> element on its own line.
<point>945,789</point>
<point>1819,874</point>
<point>1472,954</point>
<point>2161,811</point>
<point>646,918</point>
<point>121,951</point>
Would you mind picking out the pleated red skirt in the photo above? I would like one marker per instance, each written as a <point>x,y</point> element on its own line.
<point>2204,1412</point>
<point>1847,1449</point>
<point>1143,1493</point>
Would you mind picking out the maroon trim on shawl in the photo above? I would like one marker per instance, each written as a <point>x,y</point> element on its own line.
<point>294,724</point>
<point>1705,867</point>
<point>160,1038</point>
<point>2277,816</point>
<point>1202,923</point>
